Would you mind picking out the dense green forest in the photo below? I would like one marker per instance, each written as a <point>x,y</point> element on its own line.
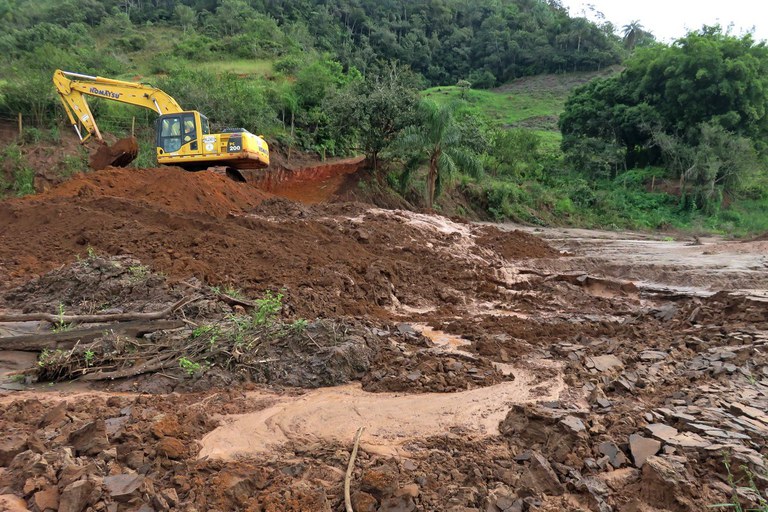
<point>441,95</point>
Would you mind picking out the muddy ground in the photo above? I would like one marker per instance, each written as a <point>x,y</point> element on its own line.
<point>494,368</point>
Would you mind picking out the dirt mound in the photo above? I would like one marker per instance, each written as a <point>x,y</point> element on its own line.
<point>515,245</point>
<point>166,188</point>
<point>331,260</point>
<point>119,154</point>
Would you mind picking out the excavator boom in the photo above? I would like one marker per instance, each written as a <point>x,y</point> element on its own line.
<point>73,93</point>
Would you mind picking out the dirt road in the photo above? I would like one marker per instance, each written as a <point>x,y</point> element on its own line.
<point>494,369</point>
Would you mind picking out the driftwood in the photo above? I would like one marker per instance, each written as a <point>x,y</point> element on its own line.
<point>350,468</point>
<point>67,339</point>
<point>153,365</point>
<point>115,317</point>
<point>228,299</point>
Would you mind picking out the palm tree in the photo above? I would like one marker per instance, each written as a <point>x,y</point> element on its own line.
<point>632,34</point>
<point>437,141</point>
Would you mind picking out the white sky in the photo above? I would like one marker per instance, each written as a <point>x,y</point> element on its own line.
<point>671,19</point>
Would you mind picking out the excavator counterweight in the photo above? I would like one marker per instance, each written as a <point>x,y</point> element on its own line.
<point>182,137</point>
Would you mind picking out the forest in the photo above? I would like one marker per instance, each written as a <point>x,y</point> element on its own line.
<point>529,113</point>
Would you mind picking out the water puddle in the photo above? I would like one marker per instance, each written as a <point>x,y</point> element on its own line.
<point>392,421</point>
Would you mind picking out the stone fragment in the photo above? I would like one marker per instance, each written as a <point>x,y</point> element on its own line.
<point>12,503</point>
<point>661,431</point>
<point>665,482</point>
<point>398,504</point>
<point>380,481</point>
<point>171,447</point>
<point>11,446</point>
<point>642,448</point>
<point>364,502</point>
<point>411,490</point>
<point>540,477</point>
<point>604,363</point>
<point>615,456</point>
<point>75,496</point>
<point>620,478</point>
<point>90,439</point>
<point>652,355</point>
<point>47,499</point>
<point>123,487</point>
<point>574,424</point>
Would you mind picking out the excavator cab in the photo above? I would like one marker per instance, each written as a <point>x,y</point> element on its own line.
<point>184,139</point>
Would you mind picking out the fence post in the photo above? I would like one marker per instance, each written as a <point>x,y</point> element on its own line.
<point>133,126</point>
<point>21,128</point>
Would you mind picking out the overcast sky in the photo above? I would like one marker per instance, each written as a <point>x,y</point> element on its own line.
<point>672,19</point>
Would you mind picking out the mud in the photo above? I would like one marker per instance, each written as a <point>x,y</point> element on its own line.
<point>493,369</point>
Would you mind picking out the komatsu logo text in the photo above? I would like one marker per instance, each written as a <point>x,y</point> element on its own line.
<point>104,92</point>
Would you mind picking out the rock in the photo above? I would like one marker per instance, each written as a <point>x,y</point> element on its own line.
<point>47,499</point>
<point>502,499</point>
<point>642,448</point>
<point>620,478</point>
<point>76,496</point>
<point>411,490</point>
<point>166,426</point>
<point>11,446</point>
<point>666,484</point>
<point>380,481</point>
<point>661,431</point>
<point>574,424</point>
<point>652,355</point>
<point>604,363</point>
<point>540,477</point>
<point>123,487</point>
<point>398,504</point>
<point>364,502</point>
<point>171,447</point>
<point>90,439</point>
<point>615,456</point>
<point>55,415</point>
<point>170,496</point>
<point>11,503</point>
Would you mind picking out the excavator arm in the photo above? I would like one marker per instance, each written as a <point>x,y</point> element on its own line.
<point>74,87</point>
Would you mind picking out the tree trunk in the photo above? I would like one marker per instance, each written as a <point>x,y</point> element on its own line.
<point>432,178</point>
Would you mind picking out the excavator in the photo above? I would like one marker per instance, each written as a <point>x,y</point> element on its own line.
<point>182,137</point>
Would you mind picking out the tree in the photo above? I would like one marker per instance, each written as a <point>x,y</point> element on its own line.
<point>632,33</point>
<point>375,110</point>
<point>186,16</point>
<point>436,140</point>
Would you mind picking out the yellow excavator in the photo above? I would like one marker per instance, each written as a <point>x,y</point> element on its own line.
<point>182,136</point>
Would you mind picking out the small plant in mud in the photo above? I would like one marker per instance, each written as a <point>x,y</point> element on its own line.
<point>189,366</point>
<point>61,325</point>
<point>49,357</point>
<point>267,308</point>
<point>751,488</point>
<point>138,272</point>
<point>89,356</point>
<point>211,331</point>
<point>299,326</point>
<point>91,253</point>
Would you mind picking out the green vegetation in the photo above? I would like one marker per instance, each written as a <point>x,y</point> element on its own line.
<point>675,140</point>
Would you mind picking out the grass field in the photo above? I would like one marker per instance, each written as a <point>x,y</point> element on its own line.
<point>240,67</point>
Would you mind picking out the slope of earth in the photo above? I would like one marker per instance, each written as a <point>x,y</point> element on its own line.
<point>491,371</point>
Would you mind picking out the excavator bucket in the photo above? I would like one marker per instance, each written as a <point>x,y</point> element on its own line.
<point>119,154</point>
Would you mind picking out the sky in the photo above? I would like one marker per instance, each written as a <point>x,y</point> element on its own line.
<point>671,19</point>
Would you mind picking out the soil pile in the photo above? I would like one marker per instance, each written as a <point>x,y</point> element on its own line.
<point>330,259</point>
<point>167,188</point>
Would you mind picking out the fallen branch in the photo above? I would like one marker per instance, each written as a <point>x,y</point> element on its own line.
<point>115,317</point>
<point>350,467</point>
<point>158,363</point>
<point>66,339</point>
<point>228,299</point>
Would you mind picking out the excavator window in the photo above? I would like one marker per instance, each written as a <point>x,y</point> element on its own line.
<point>169,135</point>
